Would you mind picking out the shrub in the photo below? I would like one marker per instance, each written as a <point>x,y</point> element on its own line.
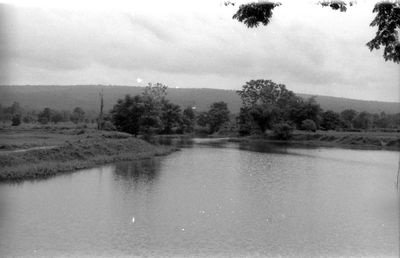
<point>82,126</point>
<point>81,131</point>
<point>108,126</point>
<point>243,131</point>
<point>43,120</point>
<point>282,131</point>
<point>28,119</point>
<point>16,120</point>
<point>308,125</point>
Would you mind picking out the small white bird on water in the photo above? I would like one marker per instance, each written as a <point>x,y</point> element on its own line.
<point>133,220</point>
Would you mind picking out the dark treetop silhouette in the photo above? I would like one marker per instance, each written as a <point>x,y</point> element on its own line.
<point>387,20</point>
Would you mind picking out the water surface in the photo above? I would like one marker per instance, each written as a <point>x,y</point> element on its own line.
<point>212,199</point>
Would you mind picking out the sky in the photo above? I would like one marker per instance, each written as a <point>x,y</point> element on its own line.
<point>193,44</point>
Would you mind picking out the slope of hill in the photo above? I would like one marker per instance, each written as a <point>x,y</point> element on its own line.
<point>87,97</point>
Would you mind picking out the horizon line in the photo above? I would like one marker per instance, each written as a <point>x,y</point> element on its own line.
<point>177,88</point>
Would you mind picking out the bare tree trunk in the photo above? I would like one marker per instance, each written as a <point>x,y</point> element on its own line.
<point>100,120</point>
<point>398,175</point>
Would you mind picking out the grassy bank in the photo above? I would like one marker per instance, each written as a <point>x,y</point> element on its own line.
<point>359,140</point>
<point>41,152</point>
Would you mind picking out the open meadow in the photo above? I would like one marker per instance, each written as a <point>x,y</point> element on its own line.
<point>41,151</point>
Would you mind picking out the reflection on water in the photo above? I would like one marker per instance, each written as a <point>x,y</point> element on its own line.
<point>212,198</point>
<point>133,173</point>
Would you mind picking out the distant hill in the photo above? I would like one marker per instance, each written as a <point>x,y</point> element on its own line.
<point>87,97</point>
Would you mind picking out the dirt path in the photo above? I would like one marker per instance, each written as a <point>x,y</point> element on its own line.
<point>27,149</point>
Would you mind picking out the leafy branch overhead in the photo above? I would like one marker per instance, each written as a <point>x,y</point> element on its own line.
<point>336,5</point>
<point>387,20</point>
<point>253,14</point>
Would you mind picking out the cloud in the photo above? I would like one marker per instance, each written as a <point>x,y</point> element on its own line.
<point>305,47</point>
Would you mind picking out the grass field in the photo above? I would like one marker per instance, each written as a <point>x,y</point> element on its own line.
<point>27,152</point>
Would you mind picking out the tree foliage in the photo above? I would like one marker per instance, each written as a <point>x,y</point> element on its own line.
<point>258,92</point>
<point>308,125</point>
<point>364,120</point>
<point>243,121</point>
<point>348,116</point>
<point>265,103</point>
<point>253,14</point>
<point>127,114</point>
<point>387,20</point>
<point>147,113</point>
<point>188,120</point>
<point>305,110</point>
<point>78,115</point>
<point>45,116</point>
<point>171,116</point>
<point>330,120</point>
<point>155,91</point>
<point>217,116</point>
<point>16,120</point>
<point>282,130</point>
<point>56,117</point>
<point>336,5</point>
<point>154,97</point>
<point>265,115</point>
<point>202,118</point>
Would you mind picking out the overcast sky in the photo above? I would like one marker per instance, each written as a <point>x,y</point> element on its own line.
<point>193,44</point>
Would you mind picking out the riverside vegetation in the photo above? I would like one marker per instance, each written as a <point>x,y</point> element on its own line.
<point>45,151</point>
<point>44,143</point>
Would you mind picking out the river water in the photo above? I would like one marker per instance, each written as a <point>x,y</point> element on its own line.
<point>212,198</point>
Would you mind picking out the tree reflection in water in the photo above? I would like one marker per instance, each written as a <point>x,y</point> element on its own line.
<point>140,172</point>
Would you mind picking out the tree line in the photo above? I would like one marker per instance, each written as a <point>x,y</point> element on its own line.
<point>266,107</point>
<point>270,106</point>
<point>17,114</point>
<point>151,113</point>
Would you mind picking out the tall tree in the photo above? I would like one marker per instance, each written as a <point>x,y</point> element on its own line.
<point>330,120</point>
<point>256,92</point>
<point>14,109</point>
<point>45,116</point>
<point>127,114</point>
<point>348,116</point>
<point>202,118</point>
<point>142,113</point>
<point>363,121</point>
<point>16,120</point>
<point>217,116</point>
<point>153,95</point>
<point>56,117</point>
<point>78,115</point>
<point>188,120</point>
<point>266,102</point>
<point>156,91</point>
<point>304,110</point>
<point>170,116</point>
<point>100,118</point>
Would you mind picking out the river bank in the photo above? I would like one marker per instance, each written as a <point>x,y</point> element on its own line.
<point>353,140</point>
<point>39,153</point>
<point>28,153</point>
